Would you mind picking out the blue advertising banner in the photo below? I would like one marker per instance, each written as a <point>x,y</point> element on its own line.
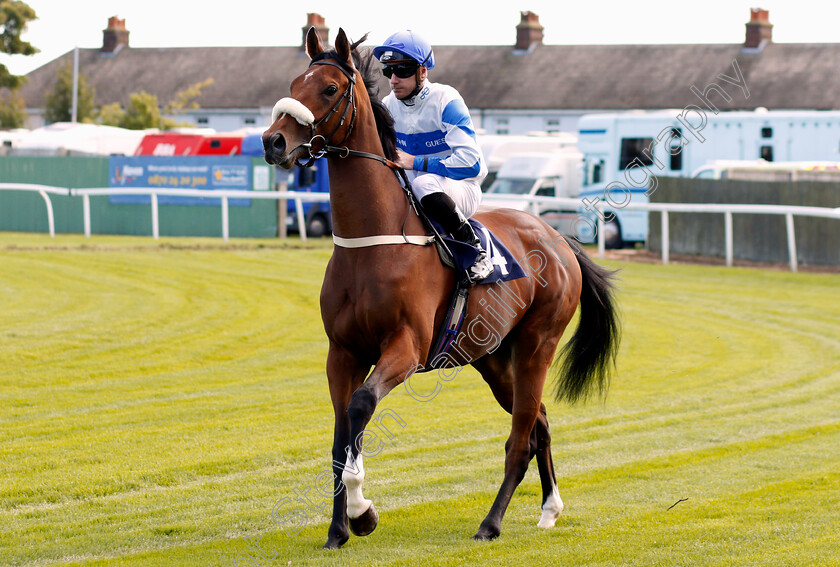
<point>194,172</point>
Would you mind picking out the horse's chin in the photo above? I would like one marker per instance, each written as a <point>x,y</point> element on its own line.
<point>286,161</point>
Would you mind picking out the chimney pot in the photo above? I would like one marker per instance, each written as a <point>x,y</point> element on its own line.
<point>529,32</point>
<point>317,21</point>
<point>115,35</point>
<point>759,28</point>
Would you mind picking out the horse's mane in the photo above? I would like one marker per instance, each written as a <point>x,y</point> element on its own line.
<point>368,66</point>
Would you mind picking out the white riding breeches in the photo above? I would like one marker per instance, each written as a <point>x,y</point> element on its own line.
<point>465,193</point>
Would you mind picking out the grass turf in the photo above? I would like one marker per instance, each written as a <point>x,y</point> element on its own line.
<point>164,403</point>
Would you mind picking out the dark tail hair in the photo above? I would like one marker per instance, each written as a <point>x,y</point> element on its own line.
<point>589,357</point>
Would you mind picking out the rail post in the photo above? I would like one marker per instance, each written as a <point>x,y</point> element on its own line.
<point>50,215</point>
<point>727,223</point>
<point>791,241</point>
<point>225,220</point>
<point>155,217</point>
<point>86,213</point>
<point>301,218</point>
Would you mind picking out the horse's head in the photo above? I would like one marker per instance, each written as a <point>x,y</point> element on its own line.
<point>321,109</point>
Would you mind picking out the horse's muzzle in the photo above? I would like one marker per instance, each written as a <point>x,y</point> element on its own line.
<point>275,149</point>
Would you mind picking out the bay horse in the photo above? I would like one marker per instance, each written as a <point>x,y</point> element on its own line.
<point>385,293</point>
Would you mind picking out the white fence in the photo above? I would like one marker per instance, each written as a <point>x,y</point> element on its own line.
<point>664,209</point>
<point>789,211</point>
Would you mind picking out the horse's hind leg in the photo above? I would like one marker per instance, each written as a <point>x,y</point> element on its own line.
<point>497,371</point>
<point>552,505</point>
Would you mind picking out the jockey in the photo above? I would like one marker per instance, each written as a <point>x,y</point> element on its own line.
<point>436,141</point>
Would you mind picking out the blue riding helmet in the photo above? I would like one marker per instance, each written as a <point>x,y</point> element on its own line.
<point>408,44</point>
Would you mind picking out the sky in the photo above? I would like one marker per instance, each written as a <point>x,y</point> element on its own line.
<point>63,24</point>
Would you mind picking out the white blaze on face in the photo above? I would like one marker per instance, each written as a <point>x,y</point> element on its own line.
<point>293,108</point>
<point>551,509</point>
<point>353,477</point>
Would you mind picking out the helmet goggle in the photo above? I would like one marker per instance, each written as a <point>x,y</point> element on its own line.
<point>403,69</point>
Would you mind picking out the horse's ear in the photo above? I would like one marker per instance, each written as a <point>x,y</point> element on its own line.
<point>313,44</point>
<point>342,47</point>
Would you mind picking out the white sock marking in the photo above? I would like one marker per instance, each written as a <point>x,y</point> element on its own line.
<point>551,509</point>
<point>353,477</point>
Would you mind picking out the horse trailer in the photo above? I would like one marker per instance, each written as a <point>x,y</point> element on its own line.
<point>625,152</point>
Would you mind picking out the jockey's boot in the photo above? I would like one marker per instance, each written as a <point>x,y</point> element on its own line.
<point>482,267</point>
<point>442,209</point>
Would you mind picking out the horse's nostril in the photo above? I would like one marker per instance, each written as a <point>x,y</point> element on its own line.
<point>274,144</point>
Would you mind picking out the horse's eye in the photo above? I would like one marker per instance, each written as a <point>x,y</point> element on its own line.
<point>331,90</point>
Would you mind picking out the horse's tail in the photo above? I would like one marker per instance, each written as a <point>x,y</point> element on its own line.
<point>589,357</point>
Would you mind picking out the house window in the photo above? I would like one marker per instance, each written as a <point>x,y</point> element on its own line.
<point>766,132</point>
<point>633,148</point>
<point>250,121</point>
<point>202,120</point>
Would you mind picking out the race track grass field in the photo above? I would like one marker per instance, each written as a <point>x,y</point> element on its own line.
<point>164,403</point>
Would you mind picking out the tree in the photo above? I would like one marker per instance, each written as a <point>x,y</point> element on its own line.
<point>59,101</point>
<point>144,111</point>
<point>186,98</point>
<point>12,110</point>
<point>111,114</point>
<point>14,16</point>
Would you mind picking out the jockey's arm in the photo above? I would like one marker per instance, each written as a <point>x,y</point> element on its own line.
<point>465,159</point>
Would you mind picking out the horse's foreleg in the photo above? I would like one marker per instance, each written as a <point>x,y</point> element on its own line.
<point>390,371</point>
<point>345,375</point>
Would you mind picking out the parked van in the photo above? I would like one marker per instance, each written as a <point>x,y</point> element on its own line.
<point>624,153</point>
<point>497,148</point>
<point>190,144</point>
<point>539,174</point>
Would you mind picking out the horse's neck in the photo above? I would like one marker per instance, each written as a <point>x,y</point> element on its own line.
<point>365,196</point>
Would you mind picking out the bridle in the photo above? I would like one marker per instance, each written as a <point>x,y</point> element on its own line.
<point>319,145</point>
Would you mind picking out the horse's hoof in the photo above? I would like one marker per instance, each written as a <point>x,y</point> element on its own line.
<point>366,523</point>
<point>485,533</point>
<point>336,540</point>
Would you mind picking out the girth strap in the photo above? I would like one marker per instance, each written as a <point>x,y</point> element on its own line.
<point>365,241</point>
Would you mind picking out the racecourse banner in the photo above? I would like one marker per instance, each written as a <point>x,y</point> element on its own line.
<point>195,172</point>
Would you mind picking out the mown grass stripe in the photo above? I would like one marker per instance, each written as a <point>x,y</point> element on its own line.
<point>161,397</point>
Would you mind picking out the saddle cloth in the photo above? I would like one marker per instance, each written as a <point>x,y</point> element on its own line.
<point>505,266</point>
